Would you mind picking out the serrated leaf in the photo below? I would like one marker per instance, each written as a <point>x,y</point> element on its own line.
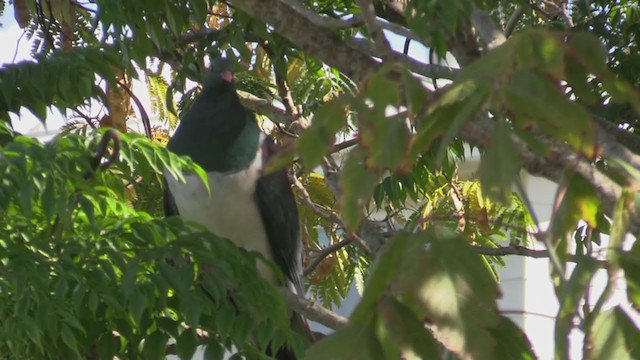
<point>500,165</point>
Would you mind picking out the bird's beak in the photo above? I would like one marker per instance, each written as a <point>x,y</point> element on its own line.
<point>227,76</point>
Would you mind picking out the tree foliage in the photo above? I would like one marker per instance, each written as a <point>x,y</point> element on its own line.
<point>90,269</point>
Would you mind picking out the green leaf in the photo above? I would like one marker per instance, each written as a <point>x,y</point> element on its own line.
<point>155,346</point>
<point>224,319</point>
<point>385,139</point>
<point>562,119</point>
<point>620,226</point>
<point>495,63</point>
<point>540,50</point>
<point>406,330</point>
<point>463,113</point>
<point>351,342</point>
<point>570,295</point>
<point>613,336</point>
<point>587,49</point>
<point>416,93</point>
<point>500,165</point>
<point>460,102</point>
<point>192,310</point>
<point>137,306</point>
<point>630,262</point>
<point>186,344</point>
<point>128,281</point>
<point>327,121</point>
<point>511,342</point>
<point>213,351</point>
<point>580,202</point>
<point>108,346</point>
<point>357,187</point>
<point>68,338</point>
<point>440,278</point>
<point>87,207</point>
<point>445,281</point>
<point>382,273</point>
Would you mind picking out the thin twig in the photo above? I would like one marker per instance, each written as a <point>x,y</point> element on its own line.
<point>532,253</point>
<point>324,253</point>
<point>331,217</point>
<point>146,123</point>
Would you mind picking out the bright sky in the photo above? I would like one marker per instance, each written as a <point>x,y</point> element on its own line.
<point>26,122</point>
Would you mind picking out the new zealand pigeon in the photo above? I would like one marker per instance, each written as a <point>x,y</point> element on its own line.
<point>253,210</point>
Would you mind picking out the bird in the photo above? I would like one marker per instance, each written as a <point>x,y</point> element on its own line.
<point>253,209</point>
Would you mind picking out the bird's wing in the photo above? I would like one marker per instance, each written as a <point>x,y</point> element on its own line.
<point>279,214</point>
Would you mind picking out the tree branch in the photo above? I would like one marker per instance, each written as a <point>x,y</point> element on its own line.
<point>375,30</point>
<point>264,107</point>
<point>513,21</point>
<point>311,310</point>
<point>429,70</point>
<point>146,123</point>
<point>291,23</point>
<point>610,146</point>
<point>627,139</point>
<point>523,251</point>
<point>561,157</point>
<point>324,253</point>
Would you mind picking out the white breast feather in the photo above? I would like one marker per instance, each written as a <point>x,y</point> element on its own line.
<point>230,211</point>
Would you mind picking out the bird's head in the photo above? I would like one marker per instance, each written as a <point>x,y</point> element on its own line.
<point>220,74</point>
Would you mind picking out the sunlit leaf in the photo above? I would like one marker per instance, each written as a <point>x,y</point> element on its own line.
<point>614,336</point>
